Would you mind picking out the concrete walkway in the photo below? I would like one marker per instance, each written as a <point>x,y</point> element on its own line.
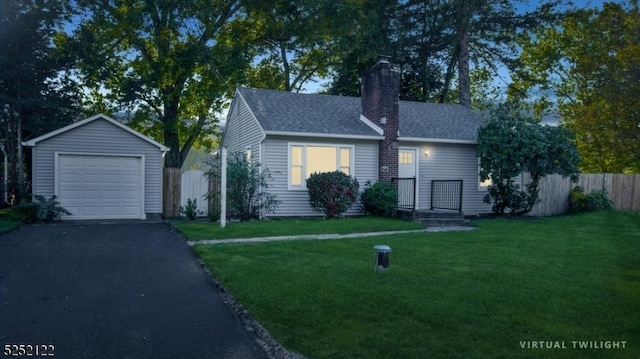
<point>327,236</point>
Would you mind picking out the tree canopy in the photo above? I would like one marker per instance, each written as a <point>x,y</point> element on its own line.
<point>169,64</point>
<point>34,96</point>
<point>587,69</point>
<point>512,144</point>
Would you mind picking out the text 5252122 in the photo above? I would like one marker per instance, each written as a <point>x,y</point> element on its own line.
<point>29,350</point>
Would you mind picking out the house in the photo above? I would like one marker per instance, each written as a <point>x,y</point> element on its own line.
<point>374,138</point>
<point>99,169</point>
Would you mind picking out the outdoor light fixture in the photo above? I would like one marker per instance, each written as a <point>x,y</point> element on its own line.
<point>426,153</point>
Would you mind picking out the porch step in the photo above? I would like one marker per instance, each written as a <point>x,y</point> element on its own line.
<point>440,218</point>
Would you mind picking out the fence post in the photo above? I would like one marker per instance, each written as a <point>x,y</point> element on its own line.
<point>171,192</point>
<point>223,187</point>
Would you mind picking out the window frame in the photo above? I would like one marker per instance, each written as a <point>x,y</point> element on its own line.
<point>303,167</point>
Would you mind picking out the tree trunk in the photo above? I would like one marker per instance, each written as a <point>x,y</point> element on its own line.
<point>465,10</point>
<point>171,135</point>
<point>464,86</point>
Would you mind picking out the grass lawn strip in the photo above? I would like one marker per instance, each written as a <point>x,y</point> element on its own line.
<point>326,236</point>
<point>201,230</point>
<point>7,225</point>
<point>473,294</point>
<point>302,237</point>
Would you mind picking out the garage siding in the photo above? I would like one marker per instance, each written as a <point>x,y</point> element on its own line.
<point>99,137</point>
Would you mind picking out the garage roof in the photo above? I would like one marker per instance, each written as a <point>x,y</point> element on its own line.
<point>33,141</point>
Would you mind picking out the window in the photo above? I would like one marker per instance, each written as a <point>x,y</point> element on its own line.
<point>304,160</point>
<point>482,185</point>
<point>405,157</point>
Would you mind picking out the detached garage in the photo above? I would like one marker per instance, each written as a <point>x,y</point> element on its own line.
<point>99,169</point>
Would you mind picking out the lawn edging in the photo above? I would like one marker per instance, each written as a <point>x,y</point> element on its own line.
<point>266,341</point>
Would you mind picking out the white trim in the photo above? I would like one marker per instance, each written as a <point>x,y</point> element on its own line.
<point>369,123</point>
<point>323,135</point>
<point>33,142</point>
<point>248,154</point>
<point>416,160</point>
<point>56,171</point>
<point>304,145</point>
<point>437,140</point>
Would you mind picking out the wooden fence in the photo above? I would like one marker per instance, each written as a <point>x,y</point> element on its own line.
<point>181,186</point>
<point>171,192</point>
<point>623,190</point>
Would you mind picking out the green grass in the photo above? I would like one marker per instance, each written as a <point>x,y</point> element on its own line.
<point>7,224</point>
<point>199,230</point>
<point>470,294</point>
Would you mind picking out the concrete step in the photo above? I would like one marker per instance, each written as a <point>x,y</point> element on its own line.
<point>438,214</point>
<point>443,222</point>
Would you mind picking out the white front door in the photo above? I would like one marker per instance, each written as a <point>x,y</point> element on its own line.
<point>407,168</point>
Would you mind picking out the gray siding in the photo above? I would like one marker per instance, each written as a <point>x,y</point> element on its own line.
<point>296,202</point>
<point>450,162</point>
<point>242,130</point>
<point>99,137</point>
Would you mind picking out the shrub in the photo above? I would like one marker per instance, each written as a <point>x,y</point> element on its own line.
<point>577,200</point>
<point>39,210</point>
<point>380,199</point>
<point>247,185</point>
<point>599,201</point>
<point>332,193</point>
<point>190,210</point>
<point>594,201</point>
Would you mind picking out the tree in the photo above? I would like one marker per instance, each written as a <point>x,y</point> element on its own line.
<point>436,44</point>
<point>169,63</point>
<point>510,145</point>
<point>297,41</point>
<point>586,68</point>
<point>35,99</point>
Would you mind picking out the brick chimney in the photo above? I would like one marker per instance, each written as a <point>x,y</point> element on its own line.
<point>380,95</point>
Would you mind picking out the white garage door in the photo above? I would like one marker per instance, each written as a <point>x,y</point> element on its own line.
<point>100,187</point>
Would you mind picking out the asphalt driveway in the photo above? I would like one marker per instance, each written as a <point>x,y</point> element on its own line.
<point>125,290</point>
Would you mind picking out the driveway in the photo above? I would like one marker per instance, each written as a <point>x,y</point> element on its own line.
<point>123,290</point>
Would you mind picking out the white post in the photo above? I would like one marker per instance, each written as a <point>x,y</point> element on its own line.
<point>223,187</point>
<point>4,188</point>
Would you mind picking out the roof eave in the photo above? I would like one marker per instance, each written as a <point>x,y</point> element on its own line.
<point>34,141</point>
<point>438,140</point>
<point>323,135</point>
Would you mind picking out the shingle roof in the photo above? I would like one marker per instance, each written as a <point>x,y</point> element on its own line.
<point>280,111</point>
<point>438,121</point>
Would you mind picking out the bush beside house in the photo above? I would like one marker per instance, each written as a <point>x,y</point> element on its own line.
<point>332,193</point>
<point>380,199</point>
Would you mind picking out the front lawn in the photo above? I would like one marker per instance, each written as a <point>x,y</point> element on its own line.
<point>199,230</point>
<point>7,224</point>
<point>480,294</point>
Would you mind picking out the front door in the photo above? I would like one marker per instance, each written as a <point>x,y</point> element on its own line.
<point>407,186</point>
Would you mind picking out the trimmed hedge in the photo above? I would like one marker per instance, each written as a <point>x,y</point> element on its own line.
<point>332,193</point>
